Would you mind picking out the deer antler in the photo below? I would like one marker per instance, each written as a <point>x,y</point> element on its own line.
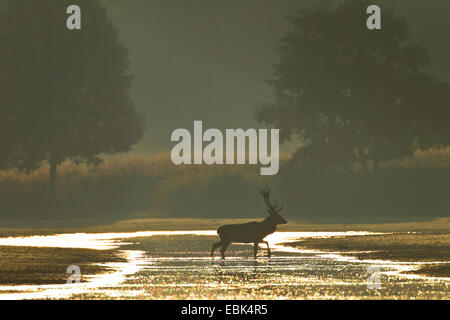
<point>266,195</point>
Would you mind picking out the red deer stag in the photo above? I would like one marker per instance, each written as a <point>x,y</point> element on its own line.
<point>252,232</point>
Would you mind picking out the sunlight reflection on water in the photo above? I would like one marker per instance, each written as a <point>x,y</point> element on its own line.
<point>105,241</point>
<point>98,241</point>
<point>142,274</point>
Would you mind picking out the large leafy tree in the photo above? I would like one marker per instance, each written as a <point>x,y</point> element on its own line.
<point>355,95</point>
<point>64,94</point>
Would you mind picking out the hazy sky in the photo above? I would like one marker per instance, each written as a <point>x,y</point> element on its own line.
<point>208,59</point>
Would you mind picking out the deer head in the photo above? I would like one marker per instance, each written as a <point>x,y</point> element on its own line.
<point>272,209</point>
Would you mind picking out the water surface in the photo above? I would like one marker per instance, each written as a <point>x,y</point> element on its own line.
<point>177,265</point>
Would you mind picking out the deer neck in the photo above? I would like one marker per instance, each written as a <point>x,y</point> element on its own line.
<point>271,225</point>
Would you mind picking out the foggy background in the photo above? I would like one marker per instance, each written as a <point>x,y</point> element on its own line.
<point>209,59</point>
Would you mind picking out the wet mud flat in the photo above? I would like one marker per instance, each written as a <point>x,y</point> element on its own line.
<point>430,247</point>
<point>177,265</point>
<point>36,266</point>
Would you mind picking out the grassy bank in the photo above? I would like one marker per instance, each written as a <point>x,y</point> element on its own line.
<point>28,265</point>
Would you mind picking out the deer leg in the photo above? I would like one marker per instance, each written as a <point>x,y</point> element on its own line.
<point>255,249</point>
<point>268,249</point>
<point>214,246</point>
<point>224,248</point>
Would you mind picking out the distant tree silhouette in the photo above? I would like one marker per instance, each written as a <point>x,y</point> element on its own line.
<point>355,95</point>
<point>64,94</point>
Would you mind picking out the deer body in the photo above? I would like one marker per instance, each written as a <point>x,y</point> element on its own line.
<point>246,232</point>
<point>251,232</point>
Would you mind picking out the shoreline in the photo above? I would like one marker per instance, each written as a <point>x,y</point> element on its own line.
<point>9,229</point>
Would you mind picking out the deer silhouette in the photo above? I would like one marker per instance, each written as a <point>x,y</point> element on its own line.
<point>252,232</point>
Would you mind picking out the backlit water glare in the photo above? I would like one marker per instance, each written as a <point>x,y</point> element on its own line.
<point>177,265</point>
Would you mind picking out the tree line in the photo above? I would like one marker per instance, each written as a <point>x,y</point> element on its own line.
<point>356,98</point>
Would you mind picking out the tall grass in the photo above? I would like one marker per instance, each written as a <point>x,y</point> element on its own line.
<point>118,187</point>
<point>431,158</point>
<point>151,186</point>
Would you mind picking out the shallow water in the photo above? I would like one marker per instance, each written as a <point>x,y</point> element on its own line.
<point>177,265</point>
